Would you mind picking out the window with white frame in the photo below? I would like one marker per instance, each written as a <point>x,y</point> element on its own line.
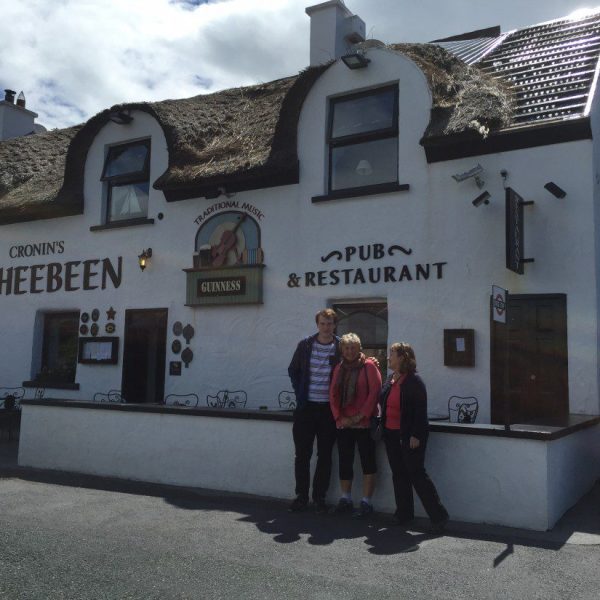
<point>363,139</point>
<point>127,176</point>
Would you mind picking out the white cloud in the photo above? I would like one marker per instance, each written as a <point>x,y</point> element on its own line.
<point>74,58</point>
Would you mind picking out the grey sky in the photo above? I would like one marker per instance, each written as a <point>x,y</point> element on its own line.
<point>73,58</point>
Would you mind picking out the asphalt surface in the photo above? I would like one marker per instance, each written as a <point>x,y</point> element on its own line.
<point>78,537</point>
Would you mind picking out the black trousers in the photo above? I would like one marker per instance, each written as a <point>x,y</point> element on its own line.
<point>408,471</point>
<point>313,421</point>
<point>347,440</point>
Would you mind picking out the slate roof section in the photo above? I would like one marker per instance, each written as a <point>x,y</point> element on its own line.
<point>471,51</point>
<point>552,67</point>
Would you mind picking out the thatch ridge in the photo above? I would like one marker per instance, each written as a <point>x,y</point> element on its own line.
<point>464,97</point>
<point>32,175</point>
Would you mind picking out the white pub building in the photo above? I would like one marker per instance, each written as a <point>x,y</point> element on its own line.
<point>160,262</point>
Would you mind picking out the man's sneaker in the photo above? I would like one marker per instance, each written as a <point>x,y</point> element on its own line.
<point>298,505</point>
<point>344,506</point>
<point>321,507</point>
<point>364,511</point>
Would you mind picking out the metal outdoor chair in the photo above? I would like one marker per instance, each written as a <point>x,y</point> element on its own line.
<point>10,408</point>
<point>287,400</point>
<point>110,396</point>
<point>227,399</point>
<point>190,400</point>
<point>463,409</point>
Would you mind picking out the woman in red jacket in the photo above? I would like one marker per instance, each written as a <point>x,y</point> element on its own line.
<point>353,397</point>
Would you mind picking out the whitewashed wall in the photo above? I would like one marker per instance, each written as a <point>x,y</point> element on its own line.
<point>249,347</point>
<point>506,481</point>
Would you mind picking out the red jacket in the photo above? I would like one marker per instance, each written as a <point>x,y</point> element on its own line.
<point>368,387</point>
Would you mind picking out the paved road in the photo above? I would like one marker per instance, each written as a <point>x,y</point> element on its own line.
<point>77,538</point>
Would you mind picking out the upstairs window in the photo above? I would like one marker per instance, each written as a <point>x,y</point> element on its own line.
<point>127,173</point>
<point>363,139</point>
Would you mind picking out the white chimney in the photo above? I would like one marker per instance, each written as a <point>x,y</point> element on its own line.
<point>15,119</point>
<point>333,31</point>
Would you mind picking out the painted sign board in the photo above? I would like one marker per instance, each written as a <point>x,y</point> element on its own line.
<point>499,304</point>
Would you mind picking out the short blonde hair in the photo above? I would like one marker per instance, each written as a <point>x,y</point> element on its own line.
<point>349,339</point>
<point>404,349</point>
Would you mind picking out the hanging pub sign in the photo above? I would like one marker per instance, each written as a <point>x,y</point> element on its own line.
<point>228,258</point>
<point>515,232</point>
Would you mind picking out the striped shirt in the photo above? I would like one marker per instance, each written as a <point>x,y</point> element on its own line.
<point>320,371</point>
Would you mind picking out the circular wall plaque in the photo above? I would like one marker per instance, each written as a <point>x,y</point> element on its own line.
<point>95,314</point>
<point>110,328</point>
<point>83,330</point>
<point>85,317</point>
<point>188,333</point>
<point>94,329</point>
<point>177,328</point>
<point>176,346</point>
<point>187,356</point>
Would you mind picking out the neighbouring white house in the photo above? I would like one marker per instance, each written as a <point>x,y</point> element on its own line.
<point>166,257</point>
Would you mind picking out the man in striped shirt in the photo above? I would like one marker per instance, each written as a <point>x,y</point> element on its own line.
<point>310,373</point>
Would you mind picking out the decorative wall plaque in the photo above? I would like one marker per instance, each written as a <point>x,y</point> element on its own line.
<point>176,347</point>
<point>177,328</point>
<point>85,317</point>
<point>94,329</point>
<point>83,330</point>
<point>95,314</point>
<point>110,328</point>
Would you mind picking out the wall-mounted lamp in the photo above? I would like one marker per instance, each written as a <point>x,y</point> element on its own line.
<point>144,257</point>
<point>121,117</point>
<point>556,191</point>
<point>355,60</point>
<point>474,172</point>
<point>482,199</point>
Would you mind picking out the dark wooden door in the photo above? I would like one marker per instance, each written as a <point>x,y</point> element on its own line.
<point>537,358</point>
<point>144,355</point>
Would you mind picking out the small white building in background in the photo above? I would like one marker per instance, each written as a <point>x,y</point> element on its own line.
<point>397,193</point>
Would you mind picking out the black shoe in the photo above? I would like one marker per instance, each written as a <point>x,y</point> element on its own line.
<point>439,526</point>
<point>298,505</point>
<point>343,507</point>
<point>364,511</point>
<point>321,507</point>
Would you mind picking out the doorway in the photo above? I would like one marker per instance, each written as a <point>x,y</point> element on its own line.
<point>538,387</point>
<point>144,355</point>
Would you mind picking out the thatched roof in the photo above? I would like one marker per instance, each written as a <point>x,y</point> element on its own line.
<point>242,138</point>
<point>32,170</point>
<point>464,98</point>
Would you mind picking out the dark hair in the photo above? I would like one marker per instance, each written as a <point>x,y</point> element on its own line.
<point>404,349</point>
<point>327,313</point>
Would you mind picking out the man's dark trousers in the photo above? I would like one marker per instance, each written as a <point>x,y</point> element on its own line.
<point>313,420</point>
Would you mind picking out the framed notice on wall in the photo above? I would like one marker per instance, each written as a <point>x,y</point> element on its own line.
<point>99,350</point>
<point>459,347</point>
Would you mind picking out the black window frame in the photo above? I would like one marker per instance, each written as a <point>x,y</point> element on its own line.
<point>44,375</point>
<point>358,138</point>
<point>141,176</point>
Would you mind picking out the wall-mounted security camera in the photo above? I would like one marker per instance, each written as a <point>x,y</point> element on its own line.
<point>474,172</point>
<point>555,190</point>
<point>482,199</point>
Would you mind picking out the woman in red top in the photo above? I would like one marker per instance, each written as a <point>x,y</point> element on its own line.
<point>353,397</point>
<point>404,404</point>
